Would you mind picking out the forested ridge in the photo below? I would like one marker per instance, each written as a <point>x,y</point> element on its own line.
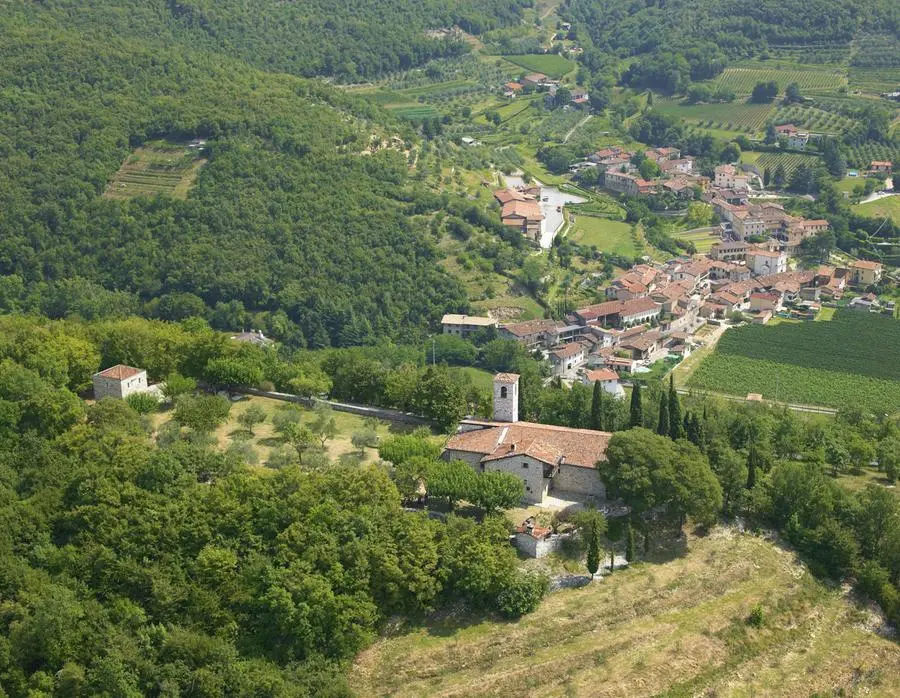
<point>289,228</point>
<point>739,29</point>
<point>348,41</point>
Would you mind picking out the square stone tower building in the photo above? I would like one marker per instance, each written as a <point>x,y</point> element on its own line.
<point>506,397</point>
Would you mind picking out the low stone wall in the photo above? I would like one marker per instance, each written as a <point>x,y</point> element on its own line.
<point>538,548</point>
<point>361,410</point>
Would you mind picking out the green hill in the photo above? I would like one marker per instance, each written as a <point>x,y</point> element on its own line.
<point>288,227</point>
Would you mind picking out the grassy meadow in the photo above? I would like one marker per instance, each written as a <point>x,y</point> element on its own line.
<point>608,235</point>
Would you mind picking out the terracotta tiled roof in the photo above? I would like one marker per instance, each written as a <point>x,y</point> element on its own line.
<point>601,374</point>
<point>531,327</point>
<point>120,372</point>
<point>506,195</point>
<point>866,264</point>
<point>506,377</point>
<point>527,209</point>
<point>567,350</point>
<point>579,447</point>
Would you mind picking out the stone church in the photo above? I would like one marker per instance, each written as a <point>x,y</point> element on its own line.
<point>551,460</point>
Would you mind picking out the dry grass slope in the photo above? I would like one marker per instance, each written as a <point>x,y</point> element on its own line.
<point>674,628</point>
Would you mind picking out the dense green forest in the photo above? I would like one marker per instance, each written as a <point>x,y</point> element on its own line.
<point>349,41</point>
<point>132,565</point>
<point>288,229</point>
<point>738,29</point>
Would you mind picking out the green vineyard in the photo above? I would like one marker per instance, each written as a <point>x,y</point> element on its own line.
<point>742,80</point>
<point>851,360</point>
<point>813,119</point>
<point>771,161</point>
<point>750,118</point>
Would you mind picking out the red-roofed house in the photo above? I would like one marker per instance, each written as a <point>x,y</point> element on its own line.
<point>865,273</point>
<point>119,382</point>
<point>608,380</point>
<point>881,166</point>
<point>547,458</point>
<point>566,357</point>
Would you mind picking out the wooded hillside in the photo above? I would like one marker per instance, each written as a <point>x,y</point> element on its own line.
<point>289,228</point>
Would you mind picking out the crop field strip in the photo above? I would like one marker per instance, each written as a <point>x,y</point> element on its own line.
<point>730,117</point>
<point>552,65</point>
<point>813,119</point>
<point>168,170</point>
<point>742,80</point>
<point>851,360</point>
<point>790,161</point>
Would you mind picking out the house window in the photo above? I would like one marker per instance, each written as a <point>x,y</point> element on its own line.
<point>503,392</point>
<point>525,465</point>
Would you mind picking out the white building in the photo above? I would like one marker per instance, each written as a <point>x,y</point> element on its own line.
<point>764,262</point>
<point>608,379</point>
<point>547,458</point>
<point>730,177</point>
<point>119,382</point>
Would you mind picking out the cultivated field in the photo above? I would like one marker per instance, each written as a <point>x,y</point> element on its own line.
<point>703,241</point>
<point>813,119</point>
<point>742,80</point>
<point>790,161</point>
<point>550,64</point>
<point>674,628</point>
<point>168,169</point>
<point>750,118</point>
<point>607,235</point>
<point>851,360</point>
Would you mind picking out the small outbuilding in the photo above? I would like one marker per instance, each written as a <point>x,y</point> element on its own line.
<point>119,382</point>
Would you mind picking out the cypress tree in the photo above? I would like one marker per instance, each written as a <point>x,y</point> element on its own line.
<point>676,425</point>
<point>637,412</point>
<point>752,459</point>
<point>593,551</point>
<point>597,406</point>
<point>662,427</point>
<point>629,544</point>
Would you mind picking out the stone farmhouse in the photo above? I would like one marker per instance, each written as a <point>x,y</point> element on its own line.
<point>119,382</point>
<point>465,325</point>
<point>549,459</point>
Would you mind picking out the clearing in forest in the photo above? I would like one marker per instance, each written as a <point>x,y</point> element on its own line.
<point>675,627</point>
<point>160,167</point>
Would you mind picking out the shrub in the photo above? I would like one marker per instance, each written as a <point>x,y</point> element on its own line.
<point>757,616</point>
<point>521,594</point>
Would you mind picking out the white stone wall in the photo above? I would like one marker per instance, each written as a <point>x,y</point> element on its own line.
<point>579,480</point>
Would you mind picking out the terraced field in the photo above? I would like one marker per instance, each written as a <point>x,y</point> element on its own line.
<point>742,80</point>
<point>676,627</point>
<point>159,168</point>
<point>703,240</point>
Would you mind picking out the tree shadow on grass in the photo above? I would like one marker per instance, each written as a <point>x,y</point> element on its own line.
<point>272,441</point>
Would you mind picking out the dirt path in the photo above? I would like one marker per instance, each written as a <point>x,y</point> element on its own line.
<point>576,126</point>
